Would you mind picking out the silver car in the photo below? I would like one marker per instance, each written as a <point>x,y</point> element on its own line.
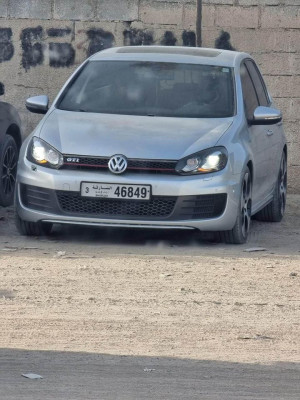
<point>156,137</point>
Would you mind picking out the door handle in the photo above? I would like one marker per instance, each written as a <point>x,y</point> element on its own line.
<point>269,132</point>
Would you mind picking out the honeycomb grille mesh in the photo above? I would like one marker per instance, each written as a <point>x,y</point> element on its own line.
<point>204,206</point>
<point>36,198</point>
<point>93,161</point>
<point>156,207</point>
<point>155,164</point>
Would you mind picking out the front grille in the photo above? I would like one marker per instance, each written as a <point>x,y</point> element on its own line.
<point>134,165</point>
<point>157,207</point>
<point>92,162</point>
<point>152,165</point>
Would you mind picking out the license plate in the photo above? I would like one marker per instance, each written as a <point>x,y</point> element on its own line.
<point>115,191</point>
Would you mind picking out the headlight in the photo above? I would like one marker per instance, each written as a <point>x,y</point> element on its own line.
<point>210,160</point>
<point>42,153</point>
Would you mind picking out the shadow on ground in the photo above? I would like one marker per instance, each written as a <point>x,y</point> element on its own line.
<point>131,236</point>
<point>278,238</point>
<point>68,375</point>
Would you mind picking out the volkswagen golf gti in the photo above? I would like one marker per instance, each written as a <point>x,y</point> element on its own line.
<point>156,137</point>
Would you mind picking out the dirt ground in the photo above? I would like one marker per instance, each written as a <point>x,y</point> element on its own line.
<point>128,314</point>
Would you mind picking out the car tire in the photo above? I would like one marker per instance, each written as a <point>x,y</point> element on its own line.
<point>27,228</point>
<point>8,170</point>
<point>274,211</point>
<point>239,233</point>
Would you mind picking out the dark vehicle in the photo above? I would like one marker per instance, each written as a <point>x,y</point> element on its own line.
<point>10,143</point>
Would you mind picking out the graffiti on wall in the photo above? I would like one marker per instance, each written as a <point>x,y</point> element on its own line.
<point>32,54</point>
<point>6,46</point>
<point>38,44</point>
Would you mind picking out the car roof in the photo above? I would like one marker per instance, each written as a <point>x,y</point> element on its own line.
<point>179,54</point>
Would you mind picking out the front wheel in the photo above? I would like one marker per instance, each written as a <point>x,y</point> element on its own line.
<point>239,233</point>
<point>8,170</point>
<point>27,228</point>
<point>274,211</point>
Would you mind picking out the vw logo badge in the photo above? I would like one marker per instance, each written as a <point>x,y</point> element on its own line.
<point>117,164</point>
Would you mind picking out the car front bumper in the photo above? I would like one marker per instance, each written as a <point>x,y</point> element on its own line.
<point>54,183</point>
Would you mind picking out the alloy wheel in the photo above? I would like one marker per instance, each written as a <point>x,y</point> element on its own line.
<point>246,204</point>
<point>282,184</point>
<point>9,170</point>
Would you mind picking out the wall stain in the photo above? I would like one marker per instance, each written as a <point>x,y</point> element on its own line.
<point>168,39</point>
<point>189,38</point>
<point>32,54</point>
<point>223,41</point>
<point>137,37</point>
<point>6,46</point>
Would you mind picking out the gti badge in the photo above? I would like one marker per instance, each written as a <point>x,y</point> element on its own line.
<point>117,164</point>
<point>73,159</point>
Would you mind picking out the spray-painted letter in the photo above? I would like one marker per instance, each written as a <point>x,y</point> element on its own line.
<point>99,40</point>
<point>60,54</point>
<point>6,46</point>
<point>32,47</point>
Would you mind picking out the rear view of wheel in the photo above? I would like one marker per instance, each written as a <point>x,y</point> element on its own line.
<point>27,228</point>
<point>239,233</point>
<point>274,211</point>
<point>8,170</point>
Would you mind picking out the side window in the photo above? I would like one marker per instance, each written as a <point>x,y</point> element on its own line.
<point>249,94</point>
<point>259,84</point>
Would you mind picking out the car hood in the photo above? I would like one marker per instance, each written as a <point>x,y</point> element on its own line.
<point>133,136</point>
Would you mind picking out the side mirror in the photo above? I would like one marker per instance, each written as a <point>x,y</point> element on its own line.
<point>38,104</point>
<point>2,89</point>
<point>266,116</point>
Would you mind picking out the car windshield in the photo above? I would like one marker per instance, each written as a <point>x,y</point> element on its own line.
<point>151,88</point>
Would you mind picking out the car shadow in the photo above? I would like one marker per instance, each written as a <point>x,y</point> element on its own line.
<point>132,236</point>
<point>89,376</point>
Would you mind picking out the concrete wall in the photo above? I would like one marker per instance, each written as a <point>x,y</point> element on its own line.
<point>42,41</point>
<point>270,31</point>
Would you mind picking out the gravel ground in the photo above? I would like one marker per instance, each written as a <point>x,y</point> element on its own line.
<point>125,314</point>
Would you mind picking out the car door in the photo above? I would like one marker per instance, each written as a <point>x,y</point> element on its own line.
<point>272,131</point>
<point>259,138</point>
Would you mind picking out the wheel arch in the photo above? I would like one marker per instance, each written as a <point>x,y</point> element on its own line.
<point>285,150</point>
<point>250,166</point>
